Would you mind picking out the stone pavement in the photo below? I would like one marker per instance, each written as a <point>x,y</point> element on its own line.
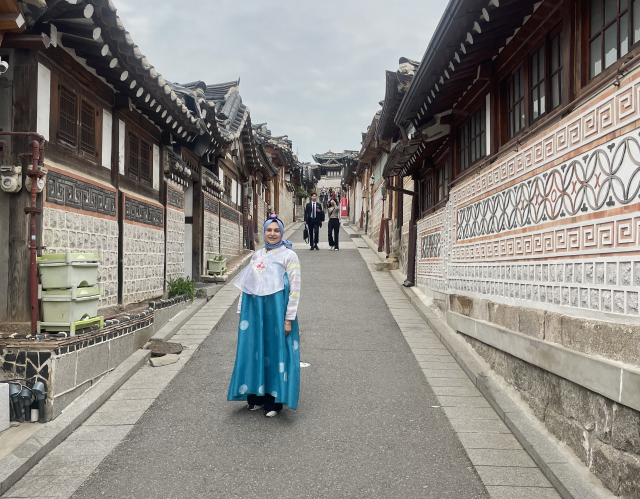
<point>384,411</point>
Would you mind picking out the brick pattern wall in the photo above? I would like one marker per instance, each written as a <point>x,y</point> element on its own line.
<point>262,210</point>
<point>175,244</point>
<point>143,263</point>
<point>286,206</point>
<point>211,235</point>
<point>230,237</point>
<point>85,234</point>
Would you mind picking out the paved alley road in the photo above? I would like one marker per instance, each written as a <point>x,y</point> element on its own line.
<point>364,428</point>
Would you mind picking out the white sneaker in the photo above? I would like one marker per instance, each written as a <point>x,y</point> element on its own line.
<point>270,414</point>
<point>254,407</point>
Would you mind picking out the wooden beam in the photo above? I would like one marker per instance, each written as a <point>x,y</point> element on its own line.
<point>12,20</point>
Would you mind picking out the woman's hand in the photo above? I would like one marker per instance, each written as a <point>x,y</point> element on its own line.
<point>287,327</point>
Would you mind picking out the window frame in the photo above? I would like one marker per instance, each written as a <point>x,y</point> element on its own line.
<point>604,26</point>
<point>546,47</point>
<point>141,139</point>
<point>461,148</point>
<point>522,72</point>
<point>427,191</point>
<point>442,176</point>
<point>79,148</point>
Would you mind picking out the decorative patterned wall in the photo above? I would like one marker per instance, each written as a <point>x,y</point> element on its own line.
<point>230,231</point>
<point>174,233</point>
<point>68,191</point>
<point>85,234</point>
<point>143,251</point>
<point>82,216</point>
<point>555,224</point>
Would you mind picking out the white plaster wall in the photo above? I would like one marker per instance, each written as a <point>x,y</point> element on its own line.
<point>121,139</point>
<point>156,167</point>
<point>44,101</point>
<point>107,137</point>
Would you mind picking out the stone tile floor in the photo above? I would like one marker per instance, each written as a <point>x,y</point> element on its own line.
<point>504,466</point>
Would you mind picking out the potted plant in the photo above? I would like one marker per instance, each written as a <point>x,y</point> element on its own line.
<point>216,265</point>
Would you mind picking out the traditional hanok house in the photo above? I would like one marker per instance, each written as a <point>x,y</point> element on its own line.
<point>380,146</point>
<point>226,214</point>
<point>105,114</point>
<point>521,133</point>
<point>368,157</point>
<point>282,191</point>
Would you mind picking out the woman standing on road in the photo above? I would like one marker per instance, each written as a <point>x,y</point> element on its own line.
<point>267,369</point>
<point>334,224</point>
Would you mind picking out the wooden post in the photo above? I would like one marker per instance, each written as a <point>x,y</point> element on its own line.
<point>413,236</point>
<point>24,119</point>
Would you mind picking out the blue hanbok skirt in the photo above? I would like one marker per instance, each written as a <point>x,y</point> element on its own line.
<point>267,361</point>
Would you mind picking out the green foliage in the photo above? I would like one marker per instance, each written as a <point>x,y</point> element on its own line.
<point>301,193</point>
<point>182,286</point>
<point>218,258</point>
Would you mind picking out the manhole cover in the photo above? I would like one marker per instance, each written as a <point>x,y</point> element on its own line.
<point>305,364</point>
<point>158,349</point>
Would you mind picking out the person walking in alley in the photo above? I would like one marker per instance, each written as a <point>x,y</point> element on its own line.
<point>313,217</point>
<point>334,224</point>
<point>267,368</point>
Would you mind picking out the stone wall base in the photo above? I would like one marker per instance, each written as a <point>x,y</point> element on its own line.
<point>603,434</point>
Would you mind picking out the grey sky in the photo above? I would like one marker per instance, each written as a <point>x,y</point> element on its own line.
<point>313,70</point>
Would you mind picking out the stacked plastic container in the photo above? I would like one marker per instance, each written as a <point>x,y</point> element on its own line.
<point>69,292</point>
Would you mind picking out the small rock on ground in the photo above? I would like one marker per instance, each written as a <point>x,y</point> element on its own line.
<point>165,360</point>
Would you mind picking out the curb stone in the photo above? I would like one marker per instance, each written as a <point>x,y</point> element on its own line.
<point>571,480</point>
<point>16,464</point>
<point>174,325</point>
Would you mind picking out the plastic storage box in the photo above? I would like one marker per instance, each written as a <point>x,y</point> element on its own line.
<point>69,305</point>
<point>216,266</point>
<point>64,270</point>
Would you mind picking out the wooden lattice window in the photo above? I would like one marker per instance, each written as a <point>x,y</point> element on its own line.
<point>227,186</point>
<point>75,120</point>
<point>140,161</point>
<point>88,128</point>
<point>145,164</point>
<point>68,125</point>
<point>134,156</point>
<point>515,89</point>
<point>471,138</point>
<point>427,193</point>
<point>442,177</point>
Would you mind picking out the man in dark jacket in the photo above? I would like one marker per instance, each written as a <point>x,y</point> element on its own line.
<point>313,217</point>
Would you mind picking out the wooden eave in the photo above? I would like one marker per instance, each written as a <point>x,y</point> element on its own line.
<point>476,33</point>
<point>97,35</point>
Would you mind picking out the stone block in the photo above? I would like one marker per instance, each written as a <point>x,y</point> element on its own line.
<point>120,348</point>
<point>63,370</point>
<point>93,361</point>
<point>165,360</point>
<point>603,465</point>
<point>553,327</point>
<point>142,336</point>
<point>531,322</point>
<point>504,315</point>
<point>625,431</point>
